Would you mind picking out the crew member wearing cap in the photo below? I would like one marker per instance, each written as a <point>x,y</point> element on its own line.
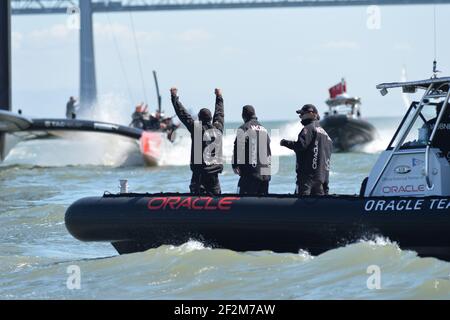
<point>251,156</point>
<point>206,149</point>
<point>313,150</point>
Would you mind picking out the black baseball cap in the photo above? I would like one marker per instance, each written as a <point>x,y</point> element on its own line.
<point>308,108</point>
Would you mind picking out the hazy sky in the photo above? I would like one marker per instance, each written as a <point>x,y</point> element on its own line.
<point>275,59</point>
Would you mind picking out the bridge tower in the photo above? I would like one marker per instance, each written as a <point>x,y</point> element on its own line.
<point>88,82</point>
<point>5,65</point>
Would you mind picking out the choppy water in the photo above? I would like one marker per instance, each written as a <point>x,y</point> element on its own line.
<point>40,179</point>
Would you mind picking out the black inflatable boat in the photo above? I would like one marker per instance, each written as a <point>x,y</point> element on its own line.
<point>348,132</point>
<point>406,198</point>
<point>343,121</point>
<point>135,223</point>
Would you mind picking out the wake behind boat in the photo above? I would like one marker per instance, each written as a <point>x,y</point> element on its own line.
<point>343,121</point>
<point>16,128</point>
<point>405,198</point>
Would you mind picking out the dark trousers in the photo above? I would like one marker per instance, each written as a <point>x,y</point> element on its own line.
<point>203,183</point>
<point>253,186</point>
<point>311,188</point>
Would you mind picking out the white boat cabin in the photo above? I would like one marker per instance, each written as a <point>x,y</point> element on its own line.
<point>416,162</point>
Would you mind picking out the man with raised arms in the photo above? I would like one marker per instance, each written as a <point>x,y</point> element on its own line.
<point>206,149</point>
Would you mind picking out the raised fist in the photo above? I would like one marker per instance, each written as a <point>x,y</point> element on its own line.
<point>218,92</point>
<point>174,91</point>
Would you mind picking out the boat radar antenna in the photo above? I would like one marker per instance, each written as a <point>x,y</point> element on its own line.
<point>435,70</point>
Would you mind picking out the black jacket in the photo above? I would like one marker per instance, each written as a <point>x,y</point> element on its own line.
<point>213,134</point>
<point>252,154</point>
<point>313,150</point>
<point>442,138</point>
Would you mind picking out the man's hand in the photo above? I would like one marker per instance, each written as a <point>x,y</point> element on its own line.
<point>283,143</point>
<point>174,91</point>
<point>218,92</point>
<point>237,171</point>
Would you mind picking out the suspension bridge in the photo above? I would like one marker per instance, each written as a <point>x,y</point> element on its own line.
<point>86,9</point>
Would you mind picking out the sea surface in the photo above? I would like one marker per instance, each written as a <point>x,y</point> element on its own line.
<point>40,179</point>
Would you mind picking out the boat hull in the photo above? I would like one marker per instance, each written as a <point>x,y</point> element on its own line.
<point>134,223</point>
<point>347,132</point>
<point>151,144</point>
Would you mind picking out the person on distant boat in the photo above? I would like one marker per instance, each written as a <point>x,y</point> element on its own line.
<point>170,128</point>
<point>156,122</point>
<point>313,151</point>
<point>140,116</point>
<point>251,155</point>
<point>442,138</point>
<point>206,149</point>
<point>71,108</point>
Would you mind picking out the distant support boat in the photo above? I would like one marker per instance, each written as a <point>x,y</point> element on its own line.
<point>343,121</point>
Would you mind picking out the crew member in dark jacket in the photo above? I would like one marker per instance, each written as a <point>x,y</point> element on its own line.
<point>313,151</point>
<point>442,137</point>
<point>251,156</point>
<point>71,108</point>
<point>206,150</point>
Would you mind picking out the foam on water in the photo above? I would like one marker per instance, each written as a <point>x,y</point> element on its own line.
<point>380,143</point>
<point>81,149</point>
<point>193,271</point>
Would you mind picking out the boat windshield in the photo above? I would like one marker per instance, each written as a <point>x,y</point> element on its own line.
<point>351,110</point>
<point>417,126</point>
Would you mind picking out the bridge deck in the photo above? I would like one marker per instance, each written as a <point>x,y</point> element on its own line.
<point>62,6</point>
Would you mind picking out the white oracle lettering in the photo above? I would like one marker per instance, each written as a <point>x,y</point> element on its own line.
<point>369,205</point>
<point>380,205</point>
<point>441,204</point>
<point>393,205</point>
<point>316,155</point>
<point>418,205</point>
<point>400,205</point>
<point>408,205</point>
<point>390,206</point>
<point>433,201</point>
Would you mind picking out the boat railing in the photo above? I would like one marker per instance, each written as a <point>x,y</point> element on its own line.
<point>396,149</point>
<point>430,186</point>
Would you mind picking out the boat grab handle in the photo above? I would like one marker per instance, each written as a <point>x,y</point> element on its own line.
<point>430,186</point>
<point>402,139</point>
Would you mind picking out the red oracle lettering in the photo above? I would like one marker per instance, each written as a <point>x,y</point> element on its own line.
<point>194,204</point>
<point>225,203</point>
<point>208,205</point>
<point>186,203</point>
<point>191,203</point>
<point>172,202</point>
<point>152,206</point>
